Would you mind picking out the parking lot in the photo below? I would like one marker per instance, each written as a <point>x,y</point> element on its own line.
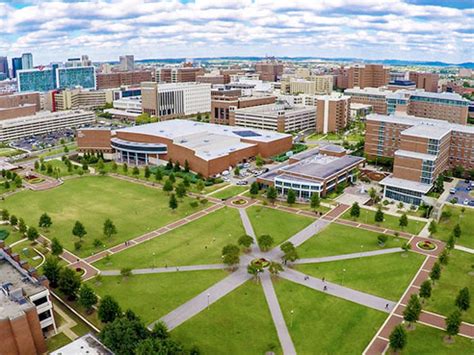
<point>44,141</point>
<point>464,193</point>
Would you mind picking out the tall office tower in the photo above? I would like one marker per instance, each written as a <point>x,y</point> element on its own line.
<point>127,62</point>
<point>269,70</point>
<point>27,61</point>
<point>426,81</point>
<point>368,75</point>
<point>86,62</point>
<point>4,67</point>
<point>16,65</point>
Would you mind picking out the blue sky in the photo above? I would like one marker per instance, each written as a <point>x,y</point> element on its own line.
<point>104,29</point>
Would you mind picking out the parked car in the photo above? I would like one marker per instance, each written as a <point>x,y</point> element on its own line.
<point>452,190</point>
<point>466,201</point>
<point>471,203</point>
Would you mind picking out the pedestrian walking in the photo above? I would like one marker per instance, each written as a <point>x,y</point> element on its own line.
<point>386,306</point>
<point>325,288</point>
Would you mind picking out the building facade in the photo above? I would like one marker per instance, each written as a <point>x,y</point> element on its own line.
<point>269,70</point>
<point>178,75</point>
<point>367,75</point>
<point>313,85</point>
<point>61,100</point>
<point>425,81</point>
<point>27,61</point>
<point>4,67</point>
<point>220,105</point>
<point>116,80</point>
<point>333,113</point>
<point>47,79</point>
<point>16,65</point>
<point>127,62</point>
<point>69,78</point>
<point>19,104</point>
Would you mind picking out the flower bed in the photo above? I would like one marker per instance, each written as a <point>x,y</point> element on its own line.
<point>261,263</point>
<point>239,202</point>
<point>426,245</point>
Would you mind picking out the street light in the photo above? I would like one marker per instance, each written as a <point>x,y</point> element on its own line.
<point>343,273</point>
<point>291,319</point>
<point>154,260</point>
<point>208,303</point>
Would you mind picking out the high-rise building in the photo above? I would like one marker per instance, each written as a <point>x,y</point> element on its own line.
<point>312,85</point>
<point>27,61</point>
<point>47,79</point>
<point>425,81</point>
<point>19,105</point>
<point>127,62</point>
<point>83,77</point>
<point>16,65</point>
<point>332,113</point>
<point>116,80</point>
<point>269,70</point>
<point>367,75</point>
<point>178,75</point>
<point>4,66</point>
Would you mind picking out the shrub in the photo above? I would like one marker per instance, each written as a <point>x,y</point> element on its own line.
<point>97,243</point>
<point>194,204</point>
<point>382,239</point>
<point>77,245</point>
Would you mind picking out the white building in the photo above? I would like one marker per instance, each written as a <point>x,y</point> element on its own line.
<point>129,104</point>
<point>127,62</point>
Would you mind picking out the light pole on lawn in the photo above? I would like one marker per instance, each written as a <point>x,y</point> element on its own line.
<point>343,274</point>
<point>291,319</point>
<point>208,302</point>
<point>154,260</point>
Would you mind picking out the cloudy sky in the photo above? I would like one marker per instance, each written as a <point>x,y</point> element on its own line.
<point>372,29</point>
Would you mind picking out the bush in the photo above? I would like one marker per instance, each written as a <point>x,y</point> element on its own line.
<point>77,245</point>
<point>97,243</point>
<point>194,204</point>
<point>382,239</point>
<point>204,201</point>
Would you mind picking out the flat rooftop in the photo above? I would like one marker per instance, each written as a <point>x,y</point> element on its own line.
<point>406,184</point>
<point>416,155</point>
<point>85,345</point>
<point>274,109</point>
<point>427,131</point>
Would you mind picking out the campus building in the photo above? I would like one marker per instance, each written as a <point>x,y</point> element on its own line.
<point>280,117</point>
<point>367,75</point>
<point>116,80</point>
<point>421,149</point>
<point>26,310</point>
<point>312,85</point>
<point>47,79</point>
<point>269,70</point>
<point>172,100</point>
<point>209,149</point>
<point>425,81</point>
<point>178,75</point>
<point>61,100</point>
<point>43,122</point>
<point>221,105</point>
<point>315,171</point>
<point>127,62</point>
<point>19,105</point>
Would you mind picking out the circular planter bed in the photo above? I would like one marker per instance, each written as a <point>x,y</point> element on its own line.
<point>239,202</point>
<point>80,271</point>
<point>261,262</point>
<point>426,245</point>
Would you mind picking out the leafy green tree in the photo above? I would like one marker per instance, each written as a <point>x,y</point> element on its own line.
<point>236,170</point>
<point>172,178</point>
<point>125,168</point>
<point>432,228</point>
<point>435,273</point>
<point>379,216</point>
<point>412,312</point>
<point>272,194</point>
<point>109,228</point>
<point>51,270</point>
<point>177,167</point>
<point>254,270</point>
<point>13,220</point>
<point>45,221</point>
<point>373,194</point>
<point>457,231</point>
<point>451,242</point>
<point>265,242</point>
<point>169,165</point>
<point>32,234</point>
<point>147,172</point>
<point>186,182</point>
<point>160,331</point>
<point>398,338</point>
<point>79,230</point>
<point>108,309</point>
<point>254,188</point>
<point>382,239</point>
<point>5,214</point>
<point>180,190</point>
<point>22,226</point>
<point>135,171</point>
<point>69,282</point>
<point>453,323</point>
<point>157,346</point>
<point>245,241</point>
<point>87,298</point>
<point>114,167</point>
<point>444,257</point>
<point>355,210</point>
<point>168,186</point>
<point>200,185</point>
<point>403,221</point>
<point>186,166</point>
<point>275,268</point>
<point>259,161</point>
<point>463,300</point>
<point>18,181</point>
<point>291,197</point>
<point>56,247</point>
<point>124,336</point>
<point>315,201</point>
<point>173,203</point>
<point>158,175</point>
<point>425,289</point>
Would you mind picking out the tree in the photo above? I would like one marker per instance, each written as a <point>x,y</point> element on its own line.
<point>32,234</point>
<point>379,215</point>
<point>186,166</point>
<point>398,338</point>
<point>372,194</point>
<point>457,231</point>
<point>432,228</point>
<point>51,270</point>
<point>172,178</point>
<point>109,228</point>
<point>463,300</point>
<point>158,175</point>
<point>453,322</point>
<point>245,241</point>
<point>78,230</point>
<point>5,215</point>
<point>147,172</point>
<point>125,168</point>
<point>254,270</point>
<point>451,241</point>
<point>444,257</point>
<point>45,221</point>
<point>177,167</point>
<point>18,181</point>
<point>200,185</point>
<point>135,171</point>
<point>425,289</point>
<point>124,336</point>
<point>169,165</point>
<point>13,220</point>
<point>413,309</point>
<point>157,346</point>
<point>186,182</point>
<point>254,188</point>
<point>126,272</point>
<point>382,239</point>
<point>265,242</point>
<point>231,259</point>
<point>87,298</point>
<point>259,161</point>
<point>22,226</point>
<point>272,194</point>
<point>291,197</point>
<point>275,268</point>
<point>180,190</point>
<point>69,282</point>
<point>315,201</point>
<point>108,310</point>
<point>236,171</point>
<point>114,167</point>
<point>355,210</point>
<point>56,247</point>
<point>168,186</point>
<point>403,221</point>
<point>435,273</point>
<point>173,203</point>
<point>160,330</point>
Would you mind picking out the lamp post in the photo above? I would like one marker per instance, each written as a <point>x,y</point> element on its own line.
<point>208,302</point>
<point>154,260</point>
<point>343,274</point>
<point>291,319</point>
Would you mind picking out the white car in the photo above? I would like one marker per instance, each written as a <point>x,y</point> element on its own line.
<point>466,202</point>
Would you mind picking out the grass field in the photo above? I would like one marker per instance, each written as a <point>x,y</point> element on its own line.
<point>14,235</point>
<point>229,192</point>
<point>390,222</point>
<point>427,340</point>
<point>369,274</point>
<point>60,169</point>
<point>133,208</point>
<point>27,252</point>
<point>57,341</point>
<point>239,323</point>
<point>465,220</point>
<point>324,324</point>
<point>199,242</point>
<point>154,295</point>
<point>9,152</point>
<point>57,150</point>
<point>280,225</point>
<point>455,276</point>
<point>339,239</point>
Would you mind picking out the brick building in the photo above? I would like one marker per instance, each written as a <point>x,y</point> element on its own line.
<point>220,105</point>
<point>425,81</point>
<point>208,148</point>
<point>269,70</point>
<point>178,75</point>
<point>19,105</point>
<point>115,80</point>
<point>367,75</point>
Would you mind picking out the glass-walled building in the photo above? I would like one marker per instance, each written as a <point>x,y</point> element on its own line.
<point>36,80</point>
<point>47,79</point>
<point>68,78</point>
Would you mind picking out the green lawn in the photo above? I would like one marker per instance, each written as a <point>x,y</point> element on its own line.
<point>26,251</point>
<point>339,239</point>
<point>390,222</point>
<point>279,224</point>
<point>454,277</point>
<point>385,276</point>
<point>57,341</point>
<point>14,235</point>
<point>229,192</point>
<point>427,340</point>
<point>465,220</point>
<point>239,323</point>
<point>199,242</point>
<point>9,152</point>
<point>153,296</point>
<point>60,169</point>
<point>133,208</point>
<point>324,324</point>
<point>58,150</point>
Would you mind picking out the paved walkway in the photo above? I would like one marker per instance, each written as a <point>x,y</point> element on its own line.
<point>249,229</point>
<point>346,293</point>
<point>348,256</point>
<point>467,250</point>
<point>204,300</point>
<point>277,315</point>
<point>161,270</point>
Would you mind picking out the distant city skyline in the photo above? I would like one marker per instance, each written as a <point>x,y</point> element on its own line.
<point>427,30</point>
